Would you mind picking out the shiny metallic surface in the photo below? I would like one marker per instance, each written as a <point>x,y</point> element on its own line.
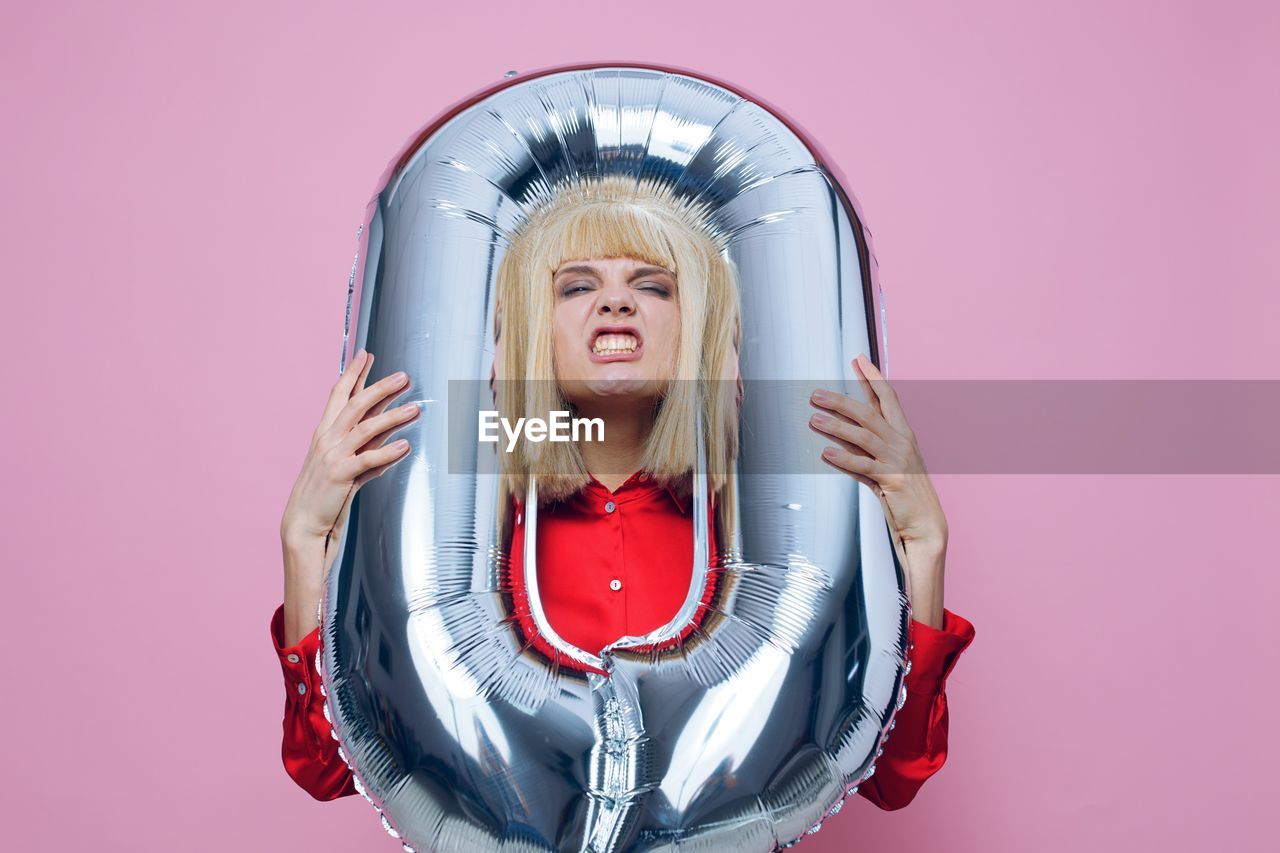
<point>749,733</point>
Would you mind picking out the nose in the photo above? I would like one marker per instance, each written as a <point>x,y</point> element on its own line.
<point>616,300</point>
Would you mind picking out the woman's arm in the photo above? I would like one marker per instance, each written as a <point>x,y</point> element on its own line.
<point>309,753</point>
<point>346,451</point>
<point>303,585</point>
<point>876,446</point>
<point>917,746</point>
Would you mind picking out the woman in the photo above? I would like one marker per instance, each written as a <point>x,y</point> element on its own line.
<point>598,323</point>
<point>617,301</point>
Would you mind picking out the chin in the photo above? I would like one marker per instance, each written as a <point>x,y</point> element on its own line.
<point>641,389</point>
<point>615,385</point>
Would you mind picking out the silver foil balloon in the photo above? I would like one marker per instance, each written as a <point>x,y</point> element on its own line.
<point>747,735</point>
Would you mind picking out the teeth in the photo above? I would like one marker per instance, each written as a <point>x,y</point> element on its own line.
<point>611,344</point>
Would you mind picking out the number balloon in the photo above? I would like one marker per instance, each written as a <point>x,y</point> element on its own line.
<point>747,733</point>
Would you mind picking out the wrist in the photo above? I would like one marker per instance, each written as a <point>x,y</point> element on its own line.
<point>303,593</point>
<point>298,624</point>
<point>931,543</point>
<point>303,565</point>
<point>296,538</point>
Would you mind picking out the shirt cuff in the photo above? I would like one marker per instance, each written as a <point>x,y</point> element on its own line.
<point>297,662</point>
<point>935,651</point>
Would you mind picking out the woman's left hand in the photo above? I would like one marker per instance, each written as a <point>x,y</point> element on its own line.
<point>875,446</point>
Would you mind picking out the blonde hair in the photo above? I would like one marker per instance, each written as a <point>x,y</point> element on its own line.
<point>618,217</point>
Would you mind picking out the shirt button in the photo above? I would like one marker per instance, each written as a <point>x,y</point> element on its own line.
<point>294,658</point>
<point>302,688</point>
<point>615,584</point>
<point>610,506</point>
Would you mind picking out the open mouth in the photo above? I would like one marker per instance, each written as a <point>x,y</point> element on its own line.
<point>615,343</point>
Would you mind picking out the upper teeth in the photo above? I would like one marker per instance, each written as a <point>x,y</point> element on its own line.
<point>614,343</point>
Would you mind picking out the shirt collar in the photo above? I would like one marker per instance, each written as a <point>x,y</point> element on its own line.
<point>638,485</point>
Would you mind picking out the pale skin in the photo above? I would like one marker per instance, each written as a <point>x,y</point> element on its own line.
<point>348,447</point>
<point>347,450</point>
<point>875,446</point>
<point>596,294</point>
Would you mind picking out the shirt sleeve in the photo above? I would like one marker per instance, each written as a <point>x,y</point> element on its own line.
<point>309,752</point>
<point>917,746</point>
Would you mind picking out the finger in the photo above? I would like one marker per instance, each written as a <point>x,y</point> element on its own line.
<point>861,468</point>
<point>867,391</point>
<point>373,431</point>
<point>354,466</point>
<point>352,380</point>
<point>382,459</point>
<point>358,406</point>
<point>837,427</point>
<point>364,375</point>
<point>358,387</point>
<point>381,405</point>
<point>885,394</point>
<point>341,391</point>
<point>863,414</point>
<point>852,448</point>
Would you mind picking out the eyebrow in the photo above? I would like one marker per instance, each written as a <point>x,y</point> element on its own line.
<point>639,272</point>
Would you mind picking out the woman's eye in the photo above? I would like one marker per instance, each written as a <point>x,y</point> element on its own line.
<point>658,289</point>
<point>572,288</point>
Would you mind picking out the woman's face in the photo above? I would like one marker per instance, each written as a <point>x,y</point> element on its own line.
<point>617,329</point>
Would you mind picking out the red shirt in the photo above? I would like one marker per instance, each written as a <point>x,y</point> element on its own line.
<point>612,564</point>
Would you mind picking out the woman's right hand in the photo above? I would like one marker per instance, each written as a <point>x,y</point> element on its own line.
<point>346,452</point>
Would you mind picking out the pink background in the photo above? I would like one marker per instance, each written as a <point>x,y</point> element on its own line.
<point>1084,191</point>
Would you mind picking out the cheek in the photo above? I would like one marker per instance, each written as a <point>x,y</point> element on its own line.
<point>563,332</point>
<point>671,324</point>
<point>669,335</point>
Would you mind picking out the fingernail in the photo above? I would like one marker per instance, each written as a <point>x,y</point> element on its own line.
<point>398,376</point>
<point>822,396</point>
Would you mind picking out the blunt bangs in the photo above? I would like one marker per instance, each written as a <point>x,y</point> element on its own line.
<point>611,230</point>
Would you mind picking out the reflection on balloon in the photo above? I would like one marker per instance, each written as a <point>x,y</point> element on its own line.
<point>752,730</point>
